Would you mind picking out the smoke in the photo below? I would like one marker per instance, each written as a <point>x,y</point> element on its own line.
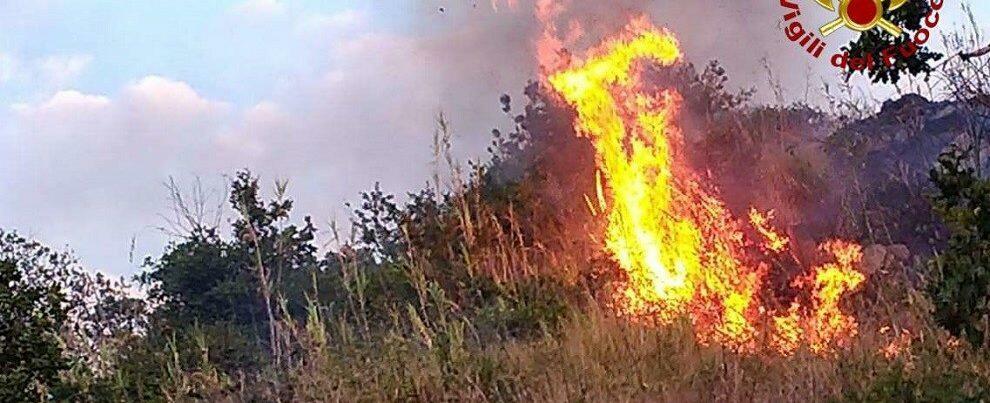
<point>492,51</point>
<point>482,52</point>
<point>358,106</point>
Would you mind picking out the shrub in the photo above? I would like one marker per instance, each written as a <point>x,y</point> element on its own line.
<point>31,353</point>
<point>961,289</point>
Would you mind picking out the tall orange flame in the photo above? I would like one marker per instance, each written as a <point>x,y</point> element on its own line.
<point>682,251</point>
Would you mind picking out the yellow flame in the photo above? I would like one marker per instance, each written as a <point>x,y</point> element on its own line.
<point>787,331</point>
<point>761,221</point>
<point>830,282</point>
<point>682,251</point>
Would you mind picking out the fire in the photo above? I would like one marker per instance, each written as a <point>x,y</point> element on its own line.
<point>899,346</point>
<point>761,222</point>
<point>682,251</point>
<point>830,282</point>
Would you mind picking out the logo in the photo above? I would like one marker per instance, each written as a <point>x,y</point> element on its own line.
<point>861,16</point>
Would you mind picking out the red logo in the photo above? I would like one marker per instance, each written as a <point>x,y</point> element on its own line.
<point>860,16</point>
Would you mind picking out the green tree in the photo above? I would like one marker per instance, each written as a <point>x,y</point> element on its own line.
<point>961,289</point>
<point>31,355</point>
<point>911,18</point>
<point>60,326</point>
<point>231,288</point>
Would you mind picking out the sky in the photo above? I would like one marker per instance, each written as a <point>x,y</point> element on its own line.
<point>102,102</point>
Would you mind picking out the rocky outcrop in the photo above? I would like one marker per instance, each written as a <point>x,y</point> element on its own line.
<point>881,259</point>
<point>882,165</point>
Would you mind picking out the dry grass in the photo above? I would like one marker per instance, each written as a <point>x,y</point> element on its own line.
<point>504,307</point>
<point>596,357</point>
<point>441,346</point>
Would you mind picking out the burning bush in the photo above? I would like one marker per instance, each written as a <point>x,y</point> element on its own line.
<point>640,233</point>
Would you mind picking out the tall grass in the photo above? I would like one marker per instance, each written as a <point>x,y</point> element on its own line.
<point>503,311</point>
<point>484,290</point>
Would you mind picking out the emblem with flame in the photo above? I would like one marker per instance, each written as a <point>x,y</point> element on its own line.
<point>861,16</point>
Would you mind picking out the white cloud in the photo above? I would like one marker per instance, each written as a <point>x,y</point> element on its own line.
<point>62,108</point>
<point>60,120</point>
<point>256,127</point>
<point>259,9</point>
<point>44,75</point>
<point>8,67</point>
<point>324,24</point>
<point>160,101</point>
<point>91,165</point>
<point>60,70</point>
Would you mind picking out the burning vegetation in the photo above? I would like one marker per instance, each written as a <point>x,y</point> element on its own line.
<point>682,250</point>
<point>641,233</point>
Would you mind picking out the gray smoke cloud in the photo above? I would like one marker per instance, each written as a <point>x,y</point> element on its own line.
<point>360,109</point>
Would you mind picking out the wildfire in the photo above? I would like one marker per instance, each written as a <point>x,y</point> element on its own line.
<point>682,251</point>
<point>900,344</point>
<point>761,222</point>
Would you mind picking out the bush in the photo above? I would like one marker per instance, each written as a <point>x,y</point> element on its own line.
<point>961,289</point>
<point>31,353</point>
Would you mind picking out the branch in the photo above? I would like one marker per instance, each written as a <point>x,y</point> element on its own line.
<point>978,53</point>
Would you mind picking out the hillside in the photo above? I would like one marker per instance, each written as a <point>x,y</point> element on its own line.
<point>500,286</point>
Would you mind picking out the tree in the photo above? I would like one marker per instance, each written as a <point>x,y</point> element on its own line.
<point>56,316</point>
<point>911,18</point>
<point>31,353</point>
<point>967,81</point>
<point>231,288</point>
<point>961,289</point>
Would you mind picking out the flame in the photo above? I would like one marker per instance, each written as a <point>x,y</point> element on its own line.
<point>899,346</point>
<point>551,44</point>
<point>761,222</point>
<point>682,251</point>
<point>831,281</point>
<point>787,331</point>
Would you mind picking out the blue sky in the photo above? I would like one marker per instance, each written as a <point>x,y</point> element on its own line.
<point>228,49</point>
<point>102,101</point>
<point>215,46</point>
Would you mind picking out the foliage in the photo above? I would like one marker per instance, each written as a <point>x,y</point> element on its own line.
<point>961,292</point>
<point>911,18</point>
<point>57,318</point>
<point>934,385</point>
<point>226,289</point>
<point>485,287</point>
<point>30,350</point>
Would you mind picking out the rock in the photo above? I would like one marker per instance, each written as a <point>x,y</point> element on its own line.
<point>900,252</point>
<point>880,258</point>
<point>874,258</point>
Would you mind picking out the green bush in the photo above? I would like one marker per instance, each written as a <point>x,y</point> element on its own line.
<point>960,290</point>
<point>31,353</point>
